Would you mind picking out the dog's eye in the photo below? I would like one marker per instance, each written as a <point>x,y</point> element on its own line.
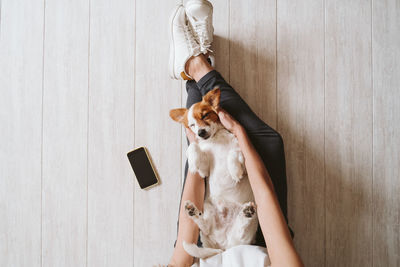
<point>191,125</point>
<point>205,115</point>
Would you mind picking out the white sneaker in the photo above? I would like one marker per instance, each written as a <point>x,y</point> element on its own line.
<point>199,13</point>
<point>182,44</point>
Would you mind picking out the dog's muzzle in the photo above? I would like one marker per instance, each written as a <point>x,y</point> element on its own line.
<point>203,134</point>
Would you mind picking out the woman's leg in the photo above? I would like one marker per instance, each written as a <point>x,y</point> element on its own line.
<point>266,140</point>
<point>193,93</point>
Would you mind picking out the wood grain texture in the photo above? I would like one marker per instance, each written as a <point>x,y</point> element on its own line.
<point>21,66</point>
<point>300,80</point>
<point>111,133</point>
<point>386,165</point>
<point>253,55</point>
<point>221,41</point>
<point>155,94</point>
<point>348,133</point>
<point>65,133</point>
<point>75,99</point>
<point>184,142</point>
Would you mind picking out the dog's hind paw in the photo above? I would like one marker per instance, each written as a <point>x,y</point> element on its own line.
<point>249,209</point>
<point>191,209</point>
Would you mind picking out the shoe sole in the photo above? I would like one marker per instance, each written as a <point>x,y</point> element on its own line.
<point>172,43</point>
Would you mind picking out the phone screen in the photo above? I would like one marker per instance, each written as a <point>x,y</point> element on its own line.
<point>142,167</point>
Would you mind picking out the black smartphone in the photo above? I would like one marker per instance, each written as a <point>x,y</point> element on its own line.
<point>143,168</point>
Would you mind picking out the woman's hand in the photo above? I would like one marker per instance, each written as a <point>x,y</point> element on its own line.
<point>229,122</point>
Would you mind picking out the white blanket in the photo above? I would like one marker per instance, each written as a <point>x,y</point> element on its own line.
<point>239,256</point>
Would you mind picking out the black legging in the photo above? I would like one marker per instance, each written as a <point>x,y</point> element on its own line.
<point>267,141</point>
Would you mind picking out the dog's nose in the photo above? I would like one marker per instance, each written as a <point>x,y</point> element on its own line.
<point>202,133</point>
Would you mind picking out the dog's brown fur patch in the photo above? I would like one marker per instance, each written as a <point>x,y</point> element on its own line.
<point>205,111</point>
<point>179,115</point>
<point>204,114</point>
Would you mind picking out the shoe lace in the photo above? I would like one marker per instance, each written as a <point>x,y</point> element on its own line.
<point>201,29</point>
<point>193,45</point>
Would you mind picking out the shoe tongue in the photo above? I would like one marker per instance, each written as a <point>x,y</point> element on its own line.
<point>199,14</point>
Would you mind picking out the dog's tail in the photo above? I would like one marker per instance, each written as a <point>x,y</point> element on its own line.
<point>198,252</point>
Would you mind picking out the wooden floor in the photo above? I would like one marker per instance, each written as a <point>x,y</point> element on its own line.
<point>85,81</point>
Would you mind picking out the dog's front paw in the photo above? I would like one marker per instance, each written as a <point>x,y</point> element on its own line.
<point>197,160</point>
<point>191,209</point>
<point>236,165</point>
<point>249,209</point>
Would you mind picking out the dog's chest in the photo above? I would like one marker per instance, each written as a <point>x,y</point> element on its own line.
<point>217,149</point>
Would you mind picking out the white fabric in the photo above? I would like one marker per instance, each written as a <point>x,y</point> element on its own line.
<point>239,256</point>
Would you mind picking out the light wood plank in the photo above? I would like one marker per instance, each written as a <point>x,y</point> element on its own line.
<point>386,165</point>
<point>21,68</point>
<point>184,144</point>
<point>361,132</point>
<point>221,36</point>
<point>253,55</point>
<point>65,106</point>
<point>155,94</point>
<point>111,133</point>
<point>300,69</point>
<point>348,133</point>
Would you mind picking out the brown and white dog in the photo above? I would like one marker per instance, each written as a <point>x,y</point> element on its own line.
<point>229,217</point>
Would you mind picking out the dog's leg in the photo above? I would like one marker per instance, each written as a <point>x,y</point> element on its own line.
<point>236,164</point>
<point>245,226</point>
<point>197,160</point>
<point>197,217</point>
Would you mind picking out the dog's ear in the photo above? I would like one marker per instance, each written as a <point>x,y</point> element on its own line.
<point>212,98</point>
<point>179,115</point>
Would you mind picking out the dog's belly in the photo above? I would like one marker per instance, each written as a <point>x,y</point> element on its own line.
<point>226,188</point>
<point>220,183</point>
<point>228,225</point>
<point>221,215</point>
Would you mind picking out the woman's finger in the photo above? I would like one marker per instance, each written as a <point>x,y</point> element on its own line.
<point>228,121</point>
<point>225,118</point>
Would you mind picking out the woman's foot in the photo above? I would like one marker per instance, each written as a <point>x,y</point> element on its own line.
<point>199,13</point>
<point>183,45</point>
<point>186,44</point>
<point>197,67</point>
